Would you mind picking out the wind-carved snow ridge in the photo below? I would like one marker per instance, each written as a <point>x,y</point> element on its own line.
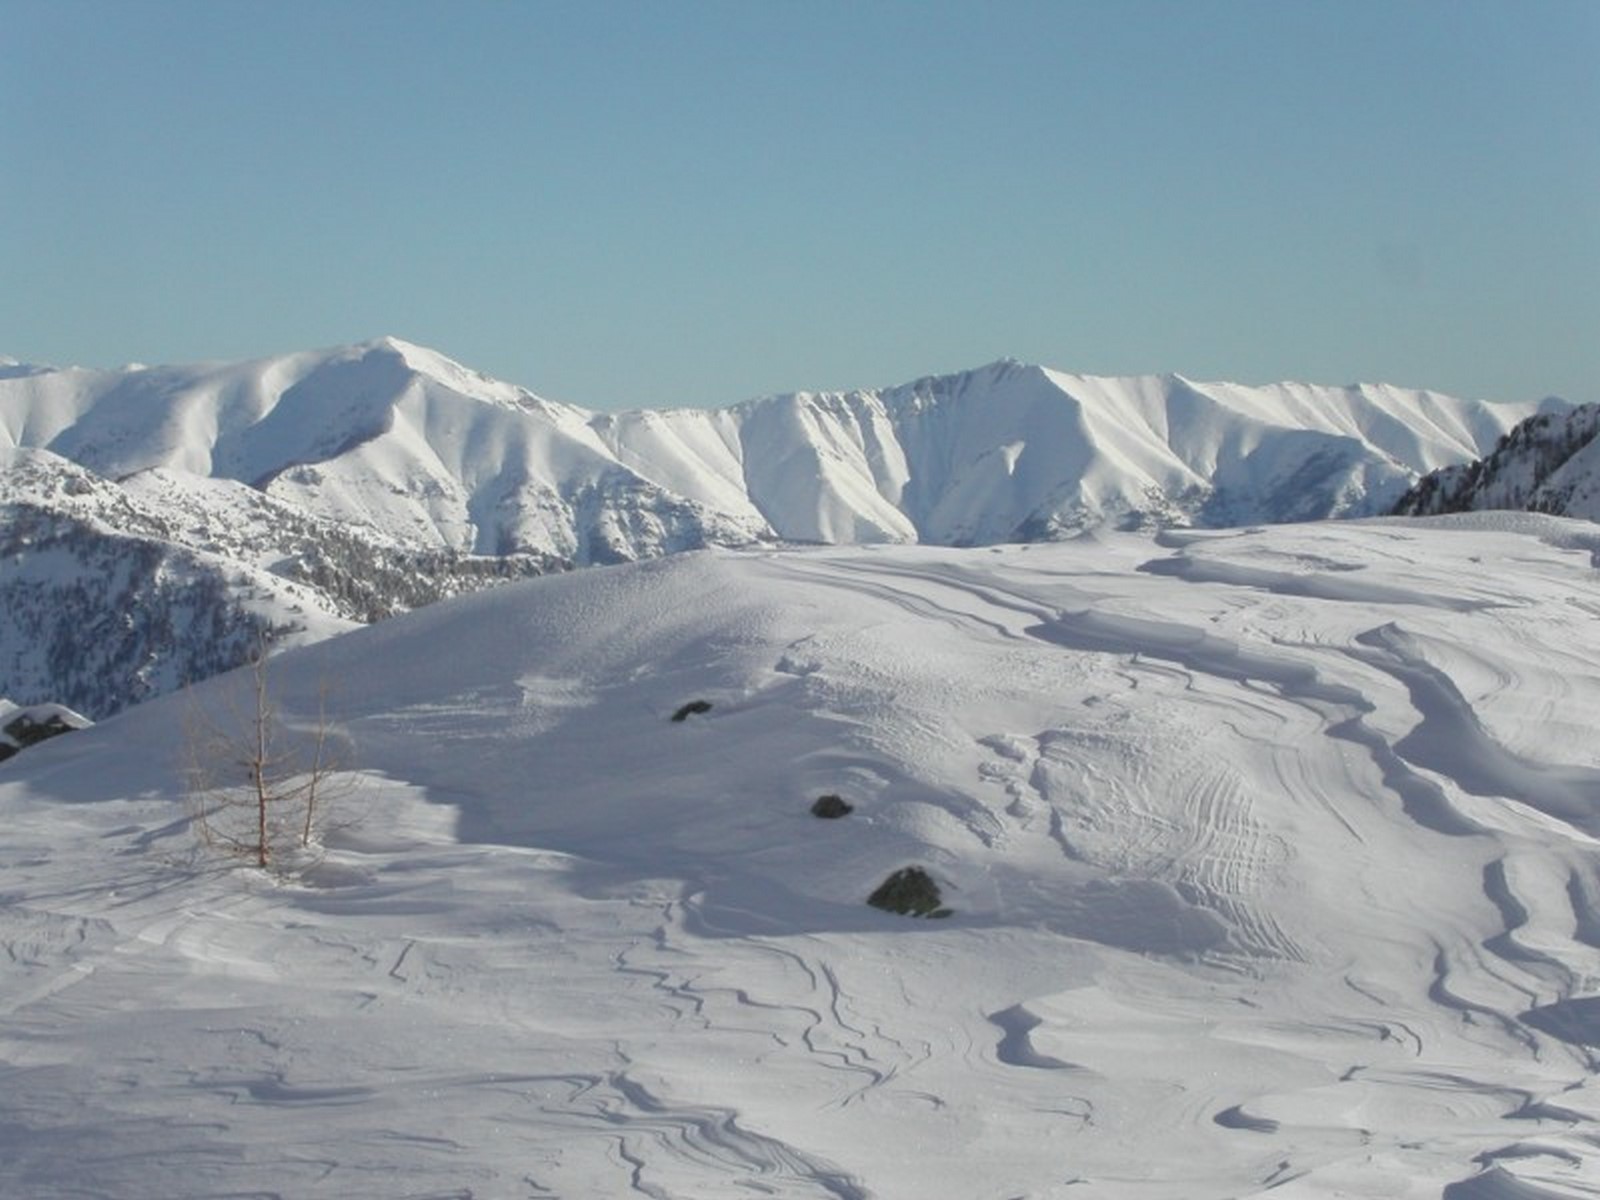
<point>1342,708</point>
<point>1450,741</point>
<point>1016,1047</point>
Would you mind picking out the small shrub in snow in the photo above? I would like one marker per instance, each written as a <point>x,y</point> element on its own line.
<point>831,807</point>
<point>691,709</point>
<point>911,892</point>
<point>257,790</point>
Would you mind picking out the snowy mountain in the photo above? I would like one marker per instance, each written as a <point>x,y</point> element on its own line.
<point>1549,463</point>
<point>1271,855</point>
<point>431,453</point>
<point>160,520</point>
<point>115,592</point>
<point>384,435</point>
<point>404,441</point>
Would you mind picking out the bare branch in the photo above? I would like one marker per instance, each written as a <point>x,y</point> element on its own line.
<point>256,789</point>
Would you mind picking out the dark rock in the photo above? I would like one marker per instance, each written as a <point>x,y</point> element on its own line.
<point>691,708</point>
<point>26,731</point>
<point>37,723</point>
<point>1539,466</point>
<point>831,807</point>
<point>911,892</point>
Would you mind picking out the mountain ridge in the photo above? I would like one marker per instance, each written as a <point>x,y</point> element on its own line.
<point>1549,463</point>
<point>382,475</point>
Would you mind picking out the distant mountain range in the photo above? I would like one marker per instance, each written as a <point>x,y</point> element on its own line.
<point>157,521</point>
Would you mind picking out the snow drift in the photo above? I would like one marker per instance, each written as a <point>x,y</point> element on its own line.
<point>1271,856</point>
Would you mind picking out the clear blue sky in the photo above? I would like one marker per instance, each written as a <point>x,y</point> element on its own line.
<point>691,203</point>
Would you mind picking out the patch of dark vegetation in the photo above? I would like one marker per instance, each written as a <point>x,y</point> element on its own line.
<point>693,708</point>
<point>831,807</point>
<point>911,892</point>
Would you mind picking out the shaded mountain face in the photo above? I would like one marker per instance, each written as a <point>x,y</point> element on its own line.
<point>115,592</point>
<point>1549,463</point>
<point>161,520</point>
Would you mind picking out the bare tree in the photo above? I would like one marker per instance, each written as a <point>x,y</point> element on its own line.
<point>257,789</point>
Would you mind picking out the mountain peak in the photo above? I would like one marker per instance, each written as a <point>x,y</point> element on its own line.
<point>395,434</point>
<point>442,369</point>
<point>415,355</point>
<point>956,383</point>
<point>447,478</point>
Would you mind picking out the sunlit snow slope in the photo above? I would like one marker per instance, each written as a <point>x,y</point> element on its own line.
<point>1271,853</point>
<point>142,507</point>
<point>399,438</point>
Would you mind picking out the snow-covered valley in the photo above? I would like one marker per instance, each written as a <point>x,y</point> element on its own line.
<point>1271,854</point>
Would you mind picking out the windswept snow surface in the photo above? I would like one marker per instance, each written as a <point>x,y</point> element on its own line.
<point>1272,854</point>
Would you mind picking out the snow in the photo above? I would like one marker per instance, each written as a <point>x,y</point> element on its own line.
<point>430,453</point>
<point>1548,463</point>
<point>112,592</point>
<point>1272,855</point>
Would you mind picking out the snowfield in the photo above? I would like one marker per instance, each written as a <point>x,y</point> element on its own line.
<point>1272,854</point>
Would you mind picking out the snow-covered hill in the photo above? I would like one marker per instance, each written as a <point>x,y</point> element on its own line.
<point>1549,463</point>
<point>1271,853</point>
<point>158,519</point>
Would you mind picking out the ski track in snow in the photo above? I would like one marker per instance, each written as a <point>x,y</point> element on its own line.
<point>1261,886</point>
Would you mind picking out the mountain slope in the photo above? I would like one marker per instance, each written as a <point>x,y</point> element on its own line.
<point>1271,855</point>
<point>113,593</point>
<point>431,454</point>
<point>384,434</point>
<point>352,483</point>
<point>1549,463</point>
